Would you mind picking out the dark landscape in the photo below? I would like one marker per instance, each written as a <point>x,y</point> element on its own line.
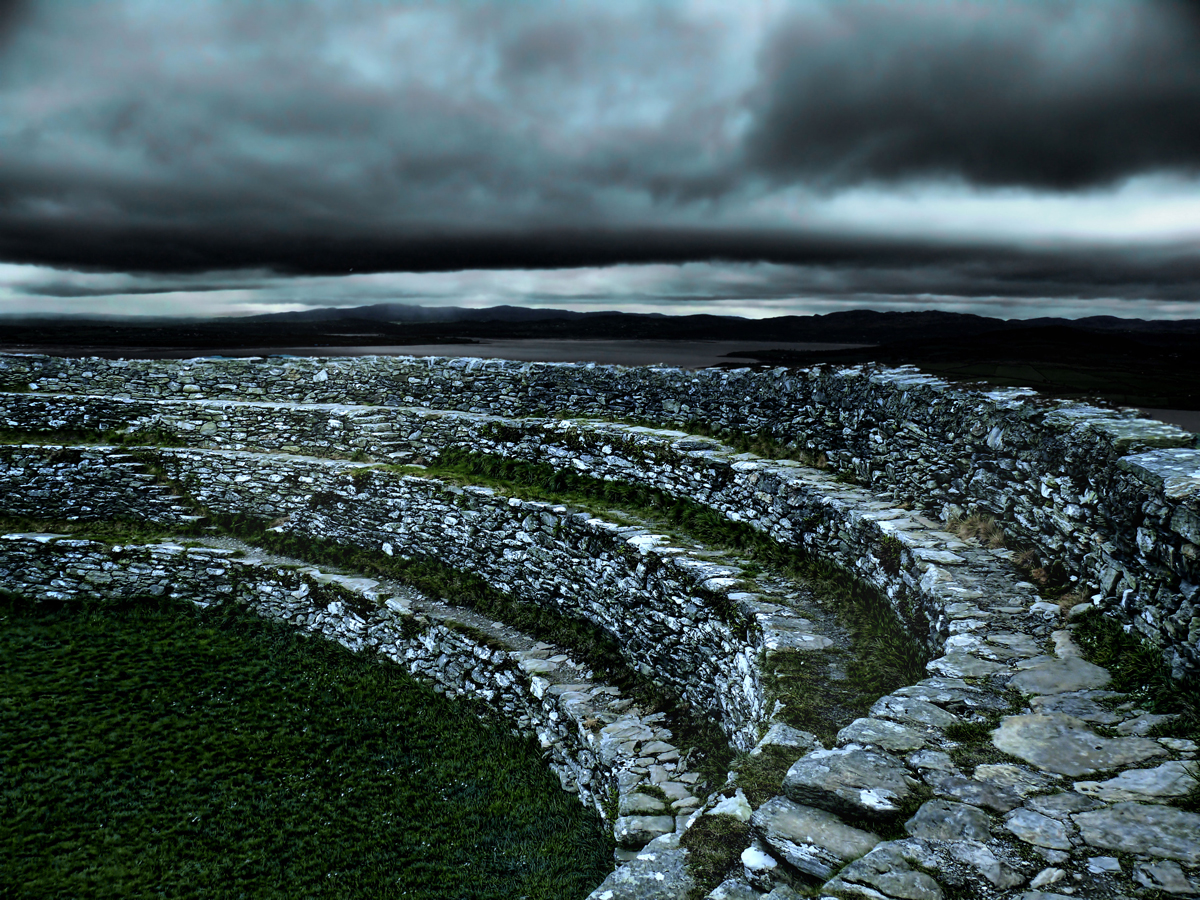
<point>1131,362</point>
<point>600,451</point>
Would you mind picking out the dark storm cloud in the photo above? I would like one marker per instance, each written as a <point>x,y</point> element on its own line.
<point>1056,95</point>
<point>316,139</point>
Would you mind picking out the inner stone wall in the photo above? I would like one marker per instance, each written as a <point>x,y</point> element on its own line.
<point>686,624</point>
<point>587,736</point>
<point>1111,498</point>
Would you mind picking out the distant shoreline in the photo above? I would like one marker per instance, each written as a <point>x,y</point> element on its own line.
<point>686,354</point>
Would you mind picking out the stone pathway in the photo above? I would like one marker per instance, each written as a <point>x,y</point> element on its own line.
<point>1063,794</point>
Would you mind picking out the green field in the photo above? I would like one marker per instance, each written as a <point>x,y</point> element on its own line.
<point>153,750</point>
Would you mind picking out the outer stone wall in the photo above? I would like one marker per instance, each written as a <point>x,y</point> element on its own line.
<point>1112,498</point>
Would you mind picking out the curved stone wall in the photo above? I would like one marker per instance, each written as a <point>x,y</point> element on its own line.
<point>1069,791</point>
<point>1113,499</point>
<point>591,738</point>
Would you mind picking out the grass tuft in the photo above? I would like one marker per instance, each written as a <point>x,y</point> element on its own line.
<point>714,845</point>
<point>978,527</point>
<point>1137,668</point>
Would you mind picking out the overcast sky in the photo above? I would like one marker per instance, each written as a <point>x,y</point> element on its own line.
<point>758,158</point>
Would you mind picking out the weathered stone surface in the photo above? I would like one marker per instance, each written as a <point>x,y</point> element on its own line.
<point>943,820</point>
<point>1059,806</point>
<point>949,693</point>
<point>782,735</point>
<point>635,831</point>
<point>1142,828</point>
<point>813,840</point>
<point>637,804</point>
<point>965,665</point>
<point>1051,675</point>
<point>849,780</point>
<point>913,710</point>
<point>658,872</point>
<point>1144,724</point>
<point>1034,828</point>
<point>733,889</point>
<point>1083,705</point>
<point>1001,873</point>
<point>1066,746</point>
<point>1163,876</point>
<point>1171,779</point>
<point>885,872</point>
<point>1018,779</point>
<point>976,793</point>
<point>883,734</point>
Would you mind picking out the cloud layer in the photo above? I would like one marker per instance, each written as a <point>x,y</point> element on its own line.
<point>859,148</point>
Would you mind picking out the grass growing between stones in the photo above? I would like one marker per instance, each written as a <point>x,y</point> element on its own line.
<point>146,437</point>
<point>114,531</point>
<point>151,749</point>
<point>713,843</point>
<point>886,656</point>
<point>1137,668</point>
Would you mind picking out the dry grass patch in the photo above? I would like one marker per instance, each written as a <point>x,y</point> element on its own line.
<point>978,527</point>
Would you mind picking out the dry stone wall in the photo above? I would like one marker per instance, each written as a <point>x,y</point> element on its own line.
<point>590,735</point>
<point>687,624</point>
<point>1112,499</point>
<point>1080,802</point>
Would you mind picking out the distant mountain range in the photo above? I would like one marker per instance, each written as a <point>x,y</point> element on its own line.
<point>856,326</point>
<point>1130,361</point>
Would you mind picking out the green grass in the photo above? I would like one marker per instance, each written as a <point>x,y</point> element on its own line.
<point>1137,668</point>
<point>152,750</point>
<point>714,845</point>
<point>147,437</point>
<point>114,531</point>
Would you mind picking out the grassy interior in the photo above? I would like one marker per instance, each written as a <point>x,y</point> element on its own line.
<point>155,750</point>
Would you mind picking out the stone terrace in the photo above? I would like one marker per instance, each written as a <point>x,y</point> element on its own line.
<point>1061,787</point>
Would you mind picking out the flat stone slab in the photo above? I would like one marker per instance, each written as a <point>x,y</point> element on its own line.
<point>1062,744</point>
<point>658,872</point>
<point>1143,828</point>
<point>813,840</point>
<point>1171,779</point>
<point>976,793</point>
<point>1080,705</point>
<point>1052,675</point>
<point>945,820</point>
<point>884,872</point>
<point>849,781</point>
<point>964,665</point>
<point>883,734</point>
<point>1041,831</point>
<point>912,710</point>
